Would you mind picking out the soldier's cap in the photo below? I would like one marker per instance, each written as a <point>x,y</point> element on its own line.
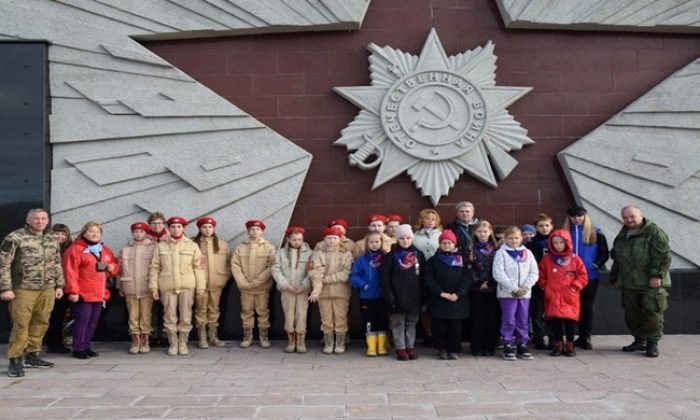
<point>250,223</point>
<point>376,218</point>
<point>140,225</point>
<point>394,218</point>
<point>294,229</point>
<point>177,219</point>
<point>205,220</point>
<point>336,222</point>
<point>332,231</point>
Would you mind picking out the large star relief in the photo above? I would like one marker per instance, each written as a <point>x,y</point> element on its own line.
<point>434,117</point>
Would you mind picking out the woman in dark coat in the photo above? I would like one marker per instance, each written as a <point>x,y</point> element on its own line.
<point>447,281</point>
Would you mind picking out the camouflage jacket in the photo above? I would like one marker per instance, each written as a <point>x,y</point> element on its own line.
<point>30,261</point>
<point>638,257</point>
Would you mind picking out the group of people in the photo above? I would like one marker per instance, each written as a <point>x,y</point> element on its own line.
<point>516,285</point>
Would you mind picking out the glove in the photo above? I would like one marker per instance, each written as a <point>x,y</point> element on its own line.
<point>520,292</point>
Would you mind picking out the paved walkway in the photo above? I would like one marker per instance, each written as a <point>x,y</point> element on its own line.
<point>235,383</point>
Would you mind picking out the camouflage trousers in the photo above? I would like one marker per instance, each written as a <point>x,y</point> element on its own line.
<point>30,311</point>
<point>644,312</point>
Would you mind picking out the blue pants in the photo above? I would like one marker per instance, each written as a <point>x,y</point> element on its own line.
<point>87,315</point>
<point>514,320</point>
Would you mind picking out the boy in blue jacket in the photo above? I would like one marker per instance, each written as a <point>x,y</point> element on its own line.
<point>366,276</point>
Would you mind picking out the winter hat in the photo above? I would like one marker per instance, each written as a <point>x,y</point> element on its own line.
<point>294,229</point>
<point>332,231</point>
<point>394,218</point>
<point>404,230</point>
<point>140,225</point>
<point>205,220</point>
<point>177,219</point>
<point>528,229</point>
<point>448,235</point>
<point>576,211</point>
<point>250,223</point>
<point>341,222</point>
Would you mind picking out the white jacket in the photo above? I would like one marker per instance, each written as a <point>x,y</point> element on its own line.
<point>511,274</point>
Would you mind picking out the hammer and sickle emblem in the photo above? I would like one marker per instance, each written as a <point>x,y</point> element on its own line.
<point>443,119</point>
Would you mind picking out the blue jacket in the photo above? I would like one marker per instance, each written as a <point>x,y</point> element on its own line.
<point>593,255</point>
<point>366,275</point>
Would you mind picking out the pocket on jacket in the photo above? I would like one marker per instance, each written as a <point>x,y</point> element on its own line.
<point>186,260</point>
<point>657,302</point>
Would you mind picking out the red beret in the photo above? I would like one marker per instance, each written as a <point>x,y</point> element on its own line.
<point>250,223</point>
<point>376,218</point>
<point>332,231</point>
<point>394,218</point>
<point>177,219</point>
<point>448,235</point>
<point>341,222</point>
<point>205,220</point>
<point>294,229</point>
<point>140,225</point>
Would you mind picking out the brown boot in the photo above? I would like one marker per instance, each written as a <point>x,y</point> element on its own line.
<point>264,342</point>
<point>182,344</point>
<point>145,347</point>
<point>135,344</point>
<point>339,343</point>
<point>328,343</point>
<point>213,339</point>
<point>291,343</point>
<point>301,344</point>
<point>202,333</point>
<point>247,338</point>
<point>172,338</point>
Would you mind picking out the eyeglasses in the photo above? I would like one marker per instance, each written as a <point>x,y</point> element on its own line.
<point>156,223</point>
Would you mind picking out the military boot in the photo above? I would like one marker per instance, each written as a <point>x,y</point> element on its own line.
<point>291,343</point>
<point>301,343</point>
<point>652,349</point>
<point>328,343</point>
<point>172,338</point>
<point>339,343</point>
<point>213,336</point>
<point>182,344</point>
<point>247,338</point>
<point>15,370</point>
<point>135,344</point>
<point>264,341</point>
<point>145,347</point>
<point>202,334</point>
<point>639,344</point>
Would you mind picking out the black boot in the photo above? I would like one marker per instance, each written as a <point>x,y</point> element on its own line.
<point>639,344</point>
<point>15,370</point>
<point>652,349</point>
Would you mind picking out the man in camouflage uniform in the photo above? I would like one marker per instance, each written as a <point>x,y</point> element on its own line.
<point>641,262</point>
<point>31,278</point>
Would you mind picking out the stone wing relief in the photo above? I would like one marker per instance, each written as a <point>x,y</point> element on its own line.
<point>132,134</point>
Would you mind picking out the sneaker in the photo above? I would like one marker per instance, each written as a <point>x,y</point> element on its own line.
<point>401,354</point>
<point>80,354</point>
<point>453,356</point>
<point>412,355</point>
<point>524,353</point>
<point>91,353</point>
<point>569,350</point>
<point>583,343</point>
<point>557,349</point>
<point>509,353</point>
<point>499,344</point>
<point>15,369</point>
<point>442,355</point>
<point>32,360</point>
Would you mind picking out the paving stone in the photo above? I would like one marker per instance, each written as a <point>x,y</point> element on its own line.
<point>431,398</point>
<point>81,402</point>
<point>391,410</point>
<point>333,399</point>
<point>261,399</point>
<point>123,412</point>
<point>294,411</point>
<point>233,412</point>
<point>503,408</point>
<point>38,413</point>
<point>178,401</point>
<point>25,401</point>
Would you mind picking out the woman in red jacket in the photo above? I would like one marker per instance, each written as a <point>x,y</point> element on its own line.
<point>87,264</point>
<point>562,276</point>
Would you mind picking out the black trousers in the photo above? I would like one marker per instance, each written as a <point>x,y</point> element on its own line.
<point>585,324</point>
<point>561,327</point>
<point>539,327</point>
<point>374,315</point>
<point>54,335</point>
<point>485,320</point>
<point>447,334</point>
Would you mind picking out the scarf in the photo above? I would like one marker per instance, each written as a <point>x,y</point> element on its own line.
<point>177,238</point>
<point>94,248</point>
<point>375,259</point>
<point>519,255</point>
<point>486,248</point>
<point>452,260</point>
<point>562,260</point>
<point>406,259</point>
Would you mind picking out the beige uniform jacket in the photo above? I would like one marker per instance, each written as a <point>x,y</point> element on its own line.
<point>291,268</point>
<point>251,265</point>
<point>330,269</point>
<point>361,245</point>
<point>134,267</point>
<point>218,267</point>
<point>345,242</point>
<point>177,265</point>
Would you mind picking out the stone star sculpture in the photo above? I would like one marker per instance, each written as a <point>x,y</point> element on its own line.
<point>434,117</point>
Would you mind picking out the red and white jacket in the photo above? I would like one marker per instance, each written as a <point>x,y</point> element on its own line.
<point>82,277</point>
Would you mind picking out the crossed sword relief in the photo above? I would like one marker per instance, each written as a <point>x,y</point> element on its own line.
<point>427,102</point>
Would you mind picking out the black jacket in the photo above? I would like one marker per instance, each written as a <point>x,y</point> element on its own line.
<point>465,235</point>
<point>438,278</point>
<point>538,246</point>
<point>402,287</point>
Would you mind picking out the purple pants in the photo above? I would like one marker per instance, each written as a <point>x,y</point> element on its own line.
<point>87,315</point>
<point>514,320</point>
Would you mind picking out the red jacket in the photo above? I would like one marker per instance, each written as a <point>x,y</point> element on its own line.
<point>82,277</point>
<point>562,284</point>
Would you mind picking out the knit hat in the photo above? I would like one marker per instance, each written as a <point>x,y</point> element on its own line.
<point>140,225</point>
<point>332,231</point>
<point>177,219</point>
<point>394,218</point>
<point>448,235</point>
<point>404,230</point>
<point>294,229</point>
<point>528,229</point>
<point>576,211</point>
<point>341,222</point>
<point>250,223</point>
<point>205,220</point>
<point>376,218</point>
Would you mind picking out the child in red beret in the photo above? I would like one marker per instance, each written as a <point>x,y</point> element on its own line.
<point>134,263</point>
<point>345,242</point>
<point>291,274</point>
<point>251,265</point>
<point>375,223</point>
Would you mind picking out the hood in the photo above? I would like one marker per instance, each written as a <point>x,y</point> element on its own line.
<point>567,238</point>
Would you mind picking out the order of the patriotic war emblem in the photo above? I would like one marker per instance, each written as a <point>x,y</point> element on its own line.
<point>434,117</point>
